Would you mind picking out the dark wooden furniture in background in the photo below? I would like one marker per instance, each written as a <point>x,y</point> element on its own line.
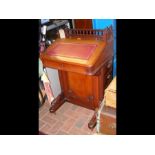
<point>83,24</point>
<point>84,61</point>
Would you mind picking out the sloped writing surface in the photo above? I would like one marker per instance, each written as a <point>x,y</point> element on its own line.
<point>72,50</point>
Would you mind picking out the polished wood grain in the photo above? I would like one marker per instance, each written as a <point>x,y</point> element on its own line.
<point>83,81</point>
<point>88,67</point>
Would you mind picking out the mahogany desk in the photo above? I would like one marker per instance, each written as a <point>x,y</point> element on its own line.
<point>84,63</point>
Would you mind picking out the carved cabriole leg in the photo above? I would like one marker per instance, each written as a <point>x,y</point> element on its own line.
<point>57,102</point>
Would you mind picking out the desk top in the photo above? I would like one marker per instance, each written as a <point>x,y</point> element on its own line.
<point>66,54</point>
<point>82,52</point>
<point>72,50</point>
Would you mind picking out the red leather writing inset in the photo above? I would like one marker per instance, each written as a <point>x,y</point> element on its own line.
<point>73,50</point>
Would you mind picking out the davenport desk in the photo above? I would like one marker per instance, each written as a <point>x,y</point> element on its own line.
<point>84,63</point>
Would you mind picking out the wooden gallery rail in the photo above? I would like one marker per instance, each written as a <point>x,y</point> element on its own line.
<point>84,62</point>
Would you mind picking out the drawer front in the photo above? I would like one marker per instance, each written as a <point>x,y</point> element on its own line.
<point>107,125</point>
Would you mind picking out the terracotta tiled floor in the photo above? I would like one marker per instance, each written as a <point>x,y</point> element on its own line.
<point>69,119</point>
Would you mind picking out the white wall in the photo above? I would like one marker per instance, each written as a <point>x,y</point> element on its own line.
<point>54,79</point>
